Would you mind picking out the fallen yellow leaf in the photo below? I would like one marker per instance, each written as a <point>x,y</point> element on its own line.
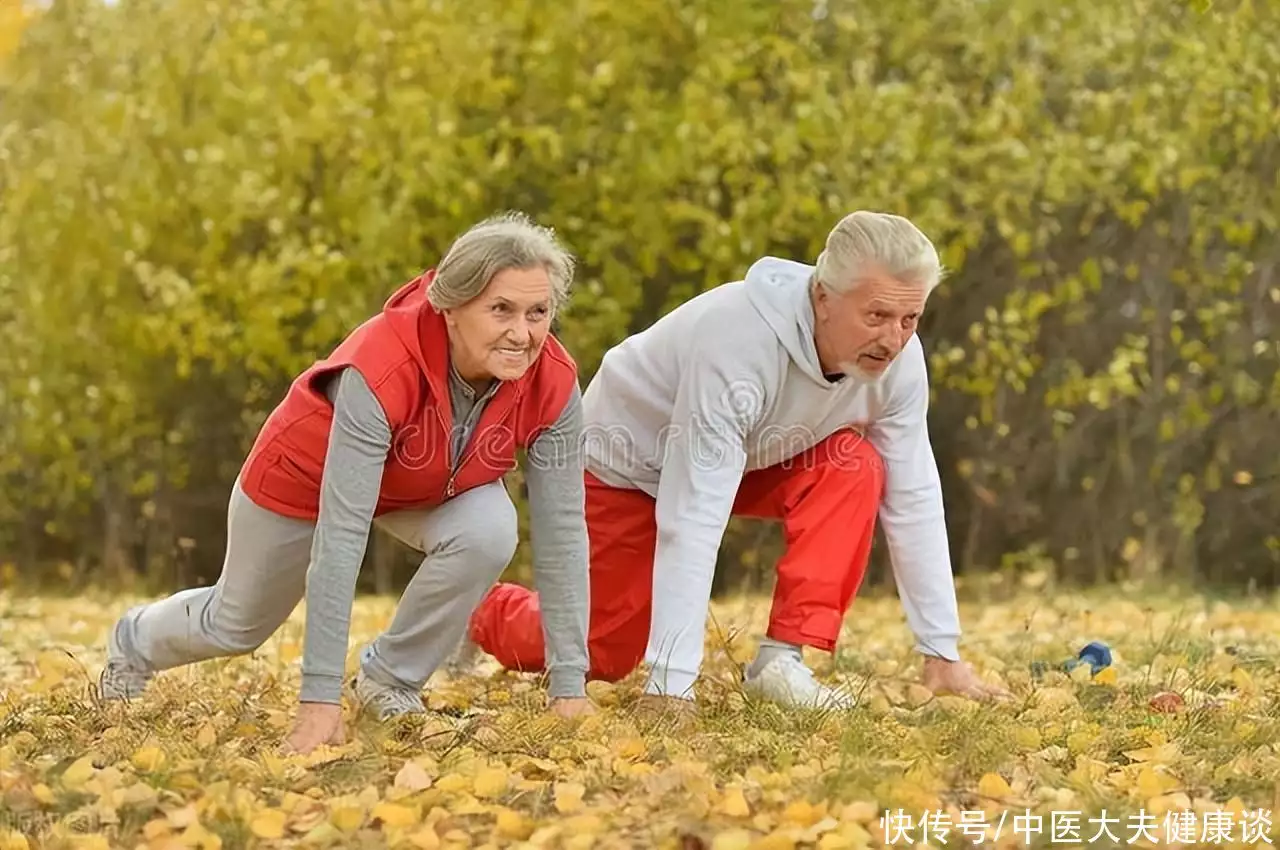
<point>425,839</point>
<point>412,777</point>
<point>452,782</point>
<point>207,736</point>
<point>802,812</point>
<point>394,815</point>
<point>491,782</point>
<point>732,839</point>
<point>512,824</point>
<point>1106,676</point>
<point>346,818</point>
<point>734,803</point>
<point>268,823</point>
<point>149,758</point>
<point>568,796</point>
<point>78,773</point>
<point>995,786</point>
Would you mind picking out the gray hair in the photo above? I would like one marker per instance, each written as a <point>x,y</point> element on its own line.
<point>508,241</point>
<point>865,240</point>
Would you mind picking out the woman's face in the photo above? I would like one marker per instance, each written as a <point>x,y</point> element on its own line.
<point>499,333</point>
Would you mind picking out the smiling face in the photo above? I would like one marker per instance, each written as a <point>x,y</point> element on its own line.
<point>861,331</point>
<point>499,333</point>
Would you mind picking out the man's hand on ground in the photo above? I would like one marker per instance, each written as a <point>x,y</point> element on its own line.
<point>668,709</point>
<point>957,677</point>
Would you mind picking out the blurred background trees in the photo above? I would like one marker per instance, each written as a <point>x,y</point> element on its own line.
<point>200,198</point>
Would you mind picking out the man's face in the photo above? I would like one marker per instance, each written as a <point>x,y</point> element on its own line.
<point>860,332</point>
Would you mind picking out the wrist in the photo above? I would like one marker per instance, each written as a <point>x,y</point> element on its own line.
<point>321,688</point>
<point>670,682</point>
<point>567,683</point>
<point>944,650</point>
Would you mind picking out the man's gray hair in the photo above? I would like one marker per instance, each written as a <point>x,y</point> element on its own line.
<point>508,241</point>
<point>866,241</point>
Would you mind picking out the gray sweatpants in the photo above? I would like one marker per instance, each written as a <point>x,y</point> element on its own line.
<point>466,542</point>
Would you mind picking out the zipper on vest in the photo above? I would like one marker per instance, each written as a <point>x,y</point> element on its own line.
<point>450,488</point>
<point>448,451</point>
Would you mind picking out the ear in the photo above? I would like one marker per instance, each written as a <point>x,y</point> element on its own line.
<point>821,301</point>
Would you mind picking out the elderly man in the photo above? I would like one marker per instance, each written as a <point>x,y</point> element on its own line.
<point>797,394</point>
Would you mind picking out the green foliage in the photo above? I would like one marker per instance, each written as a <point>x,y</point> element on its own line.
<point>201,198</point>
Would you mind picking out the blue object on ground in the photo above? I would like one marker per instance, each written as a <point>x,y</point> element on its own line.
<point>1097,655</point>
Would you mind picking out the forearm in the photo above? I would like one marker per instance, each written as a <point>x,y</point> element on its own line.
<point>358,444</point>
<point>920,554</point>
<point>558,532</point>
<point>694,502</point>
<point>913,517</point>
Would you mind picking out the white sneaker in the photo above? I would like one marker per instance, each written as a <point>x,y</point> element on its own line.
<point>787,680</point>
<point>387,701</point>
<point>125,676</point>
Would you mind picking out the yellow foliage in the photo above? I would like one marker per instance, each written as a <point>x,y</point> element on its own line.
<point>491,782</point>
<point>743,775</point>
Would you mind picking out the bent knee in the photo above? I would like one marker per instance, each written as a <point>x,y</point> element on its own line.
<point>491,543</point>
<point>488,529</point>
<point>849,452</point>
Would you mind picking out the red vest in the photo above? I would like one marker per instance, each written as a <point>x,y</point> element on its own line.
<point>403,354</point>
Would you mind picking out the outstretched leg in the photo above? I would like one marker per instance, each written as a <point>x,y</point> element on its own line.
<point>263,578</point>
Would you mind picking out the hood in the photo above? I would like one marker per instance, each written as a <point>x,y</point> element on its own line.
<point>420,328</point>
<point>405,313</point>
<point>779,290</point>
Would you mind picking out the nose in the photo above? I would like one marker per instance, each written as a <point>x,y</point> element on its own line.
<point>897,338</point>
<point>519,333</point>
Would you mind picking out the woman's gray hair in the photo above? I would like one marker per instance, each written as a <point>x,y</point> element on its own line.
<point>508,241</point>
<point>865,241</point>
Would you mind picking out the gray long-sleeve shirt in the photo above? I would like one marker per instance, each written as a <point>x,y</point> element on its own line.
<point>359,442</point>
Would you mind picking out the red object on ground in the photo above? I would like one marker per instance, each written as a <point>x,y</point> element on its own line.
<point>827,499</point>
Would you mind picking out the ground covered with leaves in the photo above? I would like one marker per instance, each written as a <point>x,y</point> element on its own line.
<point>1177,743</point>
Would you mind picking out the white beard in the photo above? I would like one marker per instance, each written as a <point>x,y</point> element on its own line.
<point>853,370</point>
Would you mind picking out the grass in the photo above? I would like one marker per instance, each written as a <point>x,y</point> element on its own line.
<point>194,762</point>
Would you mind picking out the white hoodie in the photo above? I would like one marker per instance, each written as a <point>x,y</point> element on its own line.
<point>730,382</point>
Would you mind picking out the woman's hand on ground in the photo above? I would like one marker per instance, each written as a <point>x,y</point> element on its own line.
<point>316,724</point>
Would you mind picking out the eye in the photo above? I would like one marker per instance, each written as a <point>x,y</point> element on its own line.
<point>539,312</point>
<point>500,307</point>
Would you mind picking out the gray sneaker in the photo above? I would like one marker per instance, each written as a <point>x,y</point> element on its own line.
<point>125,676</point>
<point>387,701</point>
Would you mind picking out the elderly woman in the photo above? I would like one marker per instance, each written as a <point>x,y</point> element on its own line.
<point>410,423</point>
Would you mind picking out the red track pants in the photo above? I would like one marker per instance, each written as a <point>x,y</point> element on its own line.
<point>827,499</point>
